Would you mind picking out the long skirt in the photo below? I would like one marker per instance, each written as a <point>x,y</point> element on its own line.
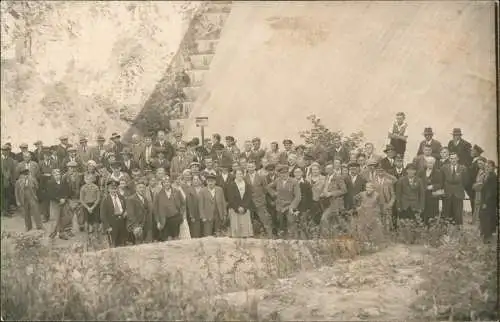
<point>240,224</point>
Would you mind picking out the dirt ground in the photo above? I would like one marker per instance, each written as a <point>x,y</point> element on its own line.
<point>378,286</point>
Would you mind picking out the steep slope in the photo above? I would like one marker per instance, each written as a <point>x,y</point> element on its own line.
<point>92,66</point>
<point>353,64</point>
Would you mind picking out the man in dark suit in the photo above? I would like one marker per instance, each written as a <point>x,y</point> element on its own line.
<point>455,179</point>
<point>355,184</point>
<point>213,208</point>
<point>461,147</point>
<point>139,219</point>
<point>473,170</point>
<point>302,213</point>
<point>259,189</point>
<point>222,156</point>
<point>488,214</point>
<point>161,144</point>
<point>58,192</point>
<point>387,163</point>
<point>38,152</point>
<point>445,157</point>
<point>410,194</point>
<point>62,148</point>
<point>46,166</point>
<point>286,190</point>
<point>399,170</point>
<point>258,152</point>
<point>24,149</point>
<point>429,141</point>
<point>113,215</point>
<point>116,145</point>
<point>338,151</point>
<point>127,162</point>
<point>98,152</point>
<point>147,154</point>
<point>8,181</point>
<point>223,178</point>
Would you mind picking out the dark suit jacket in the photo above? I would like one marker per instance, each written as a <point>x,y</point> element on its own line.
<point>107,211</point>
<point>343,154</point>
<point>192,207</point>
<point>8,170</point>
<point>168,149</point>
<point>305,196</point>
<point>219,181</point>
<point>19,157</point>
<point>55,191</point>
<point>234,199</point>
<point>410,196</point>
<point>128,170</point>
<point>398,175</point>
<point>462,149</point>
<point>138,213</point>
<point>160,213</point>
<point>454,185</point>
<point>386,164</point>
<point>436,148</point>
<point>62,152</point>
<point>489,193</point>
<point>225,158</point>
<point>435,179</point>
<point>353,189</point>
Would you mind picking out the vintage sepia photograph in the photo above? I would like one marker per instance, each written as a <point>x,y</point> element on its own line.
<point>249,160</point>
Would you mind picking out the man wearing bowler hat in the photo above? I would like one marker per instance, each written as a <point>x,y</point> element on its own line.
<point>429,141</point>
<point>461,147</point>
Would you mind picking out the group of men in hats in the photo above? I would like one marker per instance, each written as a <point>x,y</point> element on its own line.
<point>143,191</point>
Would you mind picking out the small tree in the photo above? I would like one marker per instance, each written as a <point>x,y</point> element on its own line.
<point>320,138</point>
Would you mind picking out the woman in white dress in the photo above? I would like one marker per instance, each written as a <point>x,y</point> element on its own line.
<point>240,204</point>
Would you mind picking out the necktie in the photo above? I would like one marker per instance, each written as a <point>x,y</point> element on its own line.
<point>454,171</point>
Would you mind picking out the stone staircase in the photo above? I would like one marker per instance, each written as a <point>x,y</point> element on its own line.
<point>193,58</point>
<point>202,49</point>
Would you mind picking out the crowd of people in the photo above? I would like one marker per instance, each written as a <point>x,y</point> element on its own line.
<point>156,189</point>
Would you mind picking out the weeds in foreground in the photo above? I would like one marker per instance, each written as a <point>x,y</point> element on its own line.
<point>39,282</point>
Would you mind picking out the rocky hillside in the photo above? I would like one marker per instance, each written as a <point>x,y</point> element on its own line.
<point>81,68</point>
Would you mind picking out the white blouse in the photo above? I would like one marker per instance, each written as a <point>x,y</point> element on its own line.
<point>241,187</point>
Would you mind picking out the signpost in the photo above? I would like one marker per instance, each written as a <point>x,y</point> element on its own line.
<point>201,122</point>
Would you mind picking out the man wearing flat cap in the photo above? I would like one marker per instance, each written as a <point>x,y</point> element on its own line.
<point>62,147</point>
<point>27,199</point>
<point>180,162</point>
<point>429,141</point>
<point>72,156</point>
<point>46,165</point>
<point>24,149</point>
<point>461,147</point>
<point>38,152</point>
<point>98,152</point>
<point>113,215</point>
<point>473,169</point>
<point>410,195</point>
<point>83,151</point>
<point>74,182</point>
<point>162,144</point>
<point>116,145</point>
<point>29,164</point>
<point>286,190</point>
<point>139,216</point>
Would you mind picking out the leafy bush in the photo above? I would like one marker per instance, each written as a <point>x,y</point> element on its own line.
<point>320,138</point>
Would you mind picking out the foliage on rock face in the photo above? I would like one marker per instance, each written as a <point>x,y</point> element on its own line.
<point>320,138</point>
